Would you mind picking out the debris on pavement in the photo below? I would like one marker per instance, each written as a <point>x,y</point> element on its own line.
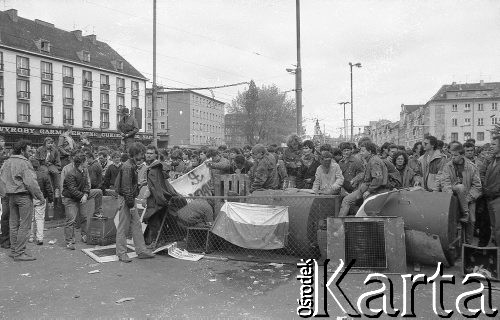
<point>212,280</point>
<point>25,275</point>
<point>124,300</point>
<point>93,271</point>
<point>277,265</point>
<point>53,241</point>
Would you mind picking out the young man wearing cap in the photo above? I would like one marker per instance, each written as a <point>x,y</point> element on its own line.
<point>128,128</point>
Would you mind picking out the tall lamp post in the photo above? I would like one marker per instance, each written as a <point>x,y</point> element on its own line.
<point>358,65</point>
<point>298,72</point>
<point>345,120</point>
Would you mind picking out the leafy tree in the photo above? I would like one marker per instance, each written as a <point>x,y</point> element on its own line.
<point>267,116</point>
<point>496,130</point>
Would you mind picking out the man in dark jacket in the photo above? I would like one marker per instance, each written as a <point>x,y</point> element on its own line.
<point>128,128</point>
<point>126,185</point>
<point>264,174</point>
<point>95,170</point>
<point>45,185</point>
<point>48,156</point>
<point>111,173</point>
<point>492,188</point>
<point>76,193</point>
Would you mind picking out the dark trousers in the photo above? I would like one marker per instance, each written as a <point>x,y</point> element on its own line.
<point>483,221</point>
<point>494,210</point>
<point>4,222</point>
<point>21,216</point>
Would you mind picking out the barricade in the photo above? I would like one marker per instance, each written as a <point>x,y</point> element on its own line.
<point>306,212</point>
<point>236,184</point>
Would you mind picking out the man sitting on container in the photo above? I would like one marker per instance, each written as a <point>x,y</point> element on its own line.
<point>264,174</point>
<point>48,156</point>
<point>329,177</point>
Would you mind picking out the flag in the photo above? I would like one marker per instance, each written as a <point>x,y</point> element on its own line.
<point>253,226</point>
<point>194,183</point>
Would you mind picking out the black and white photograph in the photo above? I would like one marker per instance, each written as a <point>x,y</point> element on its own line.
<point>249,159</point>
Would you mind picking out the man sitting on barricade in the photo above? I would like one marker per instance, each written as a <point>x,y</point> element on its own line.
<point>48,156</point>
<point>264,174</point>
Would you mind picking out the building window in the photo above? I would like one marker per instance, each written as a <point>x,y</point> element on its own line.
<point>120,85</point>
<point>47,117</point>
<point>494,120</point>
<point>68,75</point>
<point>467,107</point>
<point>87,118</point>
<point>120,101</point>
<point>150,127</point>
<point>45,46</point>
<point>159,99</point>
<point>46,69</point>
<point>2,111</point>
<point>162,112</point>
<point>67,96</point>
<point>23,89</point>
<point>104,82</point>
<point>480,107</point>
<point>467,121</point>
<point>162,125</point>
<point>86,56</point>
<point>480,136</point>
<point>480,122</point>
<point>87,99</point>
<point>454,122</point>
<point>135,103</point>
<point>104,120</point>
<point>47,93</point>
<point>68,116</point>
<point>23,112</point>
<point>454,136</point>
<point>119,65</point>
<point>454,108</point>
<point>467,135</point>
<point>149,113</point>
<point>1,60</point>
<point>135,88</point>
<point>87,79</point>
<point>23,66</point>
<point>494,106</point>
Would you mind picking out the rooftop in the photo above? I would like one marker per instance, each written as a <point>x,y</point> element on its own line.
<point>493,88</point>
<point>27,35</point>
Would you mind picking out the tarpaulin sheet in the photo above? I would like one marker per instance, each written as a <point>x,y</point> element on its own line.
<point>253,226</point>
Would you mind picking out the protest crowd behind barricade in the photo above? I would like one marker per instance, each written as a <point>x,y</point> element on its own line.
<point>180,182</point>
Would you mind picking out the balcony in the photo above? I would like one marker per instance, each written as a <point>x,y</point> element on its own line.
<point>87,123</point>
<point>47,98</point>
<point>105,105</point>
<point>1,66</point>
<point>24,95</point>
<point>23,72</point>
<point>68,121</point>
<point>68,80</point>
<point>104,124</point>
<point>68,101</point>
<point>1,92</point>
<point>120,90</point>
<point>105,86</point>
<point>47,76</point>
<point>135,93</point>
<point>47,120</point>
<point>87,103</point>
<point>87,83</point>
<point>23,118</point>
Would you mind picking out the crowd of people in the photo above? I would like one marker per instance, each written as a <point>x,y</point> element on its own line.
<point>32,179</point>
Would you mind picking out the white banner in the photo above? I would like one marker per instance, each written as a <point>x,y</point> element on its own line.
<point>194,183</point>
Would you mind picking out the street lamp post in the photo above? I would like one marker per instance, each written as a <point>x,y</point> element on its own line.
<point>298,73</point>
<point>345,120</point>
<point>358,65</point>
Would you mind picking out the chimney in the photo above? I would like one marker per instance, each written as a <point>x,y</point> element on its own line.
<point>92,38</point>
<point>43,23</point>
<point>453,83</point>
<point>78,34</point>
<point>12,14</point>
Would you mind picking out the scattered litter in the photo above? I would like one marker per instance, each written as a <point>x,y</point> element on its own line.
<point>167,246</point>
<point>76,296</point>
<point>94,271</point>
<point>256,282</point>
<point>25,275</point>
<point>252,277</point>
<point>53,241</point>
<point>270,270</point>
<point>124,300</point>
<point>212,280</point>
<point>277,265</point>
<point>175,252</point>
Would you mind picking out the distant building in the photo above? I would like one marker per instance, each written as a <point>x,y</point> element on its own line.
<point>414,124</point>
<point>51,78</point>
<point>186,118</point>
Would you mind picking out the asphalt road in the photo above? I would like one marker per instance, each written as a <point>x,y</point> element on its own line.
<point>58,286</point>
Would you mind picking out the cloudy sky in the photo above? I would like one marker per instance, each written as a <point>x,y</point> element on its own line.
<point>408,48</point>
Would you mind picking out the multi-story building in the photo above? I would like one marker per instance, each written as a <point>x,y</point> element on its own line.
<point>413,124</point>
<point>463,111</point>
<point>52,78</point>
<point>186,118</point>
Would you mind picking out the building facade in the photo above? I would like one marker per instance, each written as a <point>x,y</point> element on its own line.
<point>186,118</point>
<point>52,78</point>
<point>463,111</point>
<point>414,124</point>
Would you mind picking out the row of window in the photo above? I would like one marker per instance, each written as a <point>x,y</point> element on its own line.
<point>467,135</point>
<point>480,107</point>
<point>480,121</point>
<point>207,127</point>
<point>204,140</point>
<point>207,115</point>
<point>161,113</point>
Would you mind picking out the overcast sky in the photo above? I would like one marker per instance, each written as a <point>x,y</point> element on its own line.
<point>408,48</point>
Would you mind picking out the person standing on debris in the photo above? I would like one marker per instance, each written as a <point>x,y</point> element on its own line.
<point>127,187</point>
<point>374,180</point>
<point>128,128</point>
<point>264,174</point>
<point>492,188</point>
<point>461,177</point>
<point>18,183</point>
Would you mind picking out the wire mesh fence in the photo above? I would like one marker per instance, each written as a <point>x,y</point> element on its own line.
<point>198,226</point>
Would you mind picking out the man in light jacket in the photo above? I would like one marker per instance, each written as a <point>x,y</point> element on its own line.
<point>329,178</point>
